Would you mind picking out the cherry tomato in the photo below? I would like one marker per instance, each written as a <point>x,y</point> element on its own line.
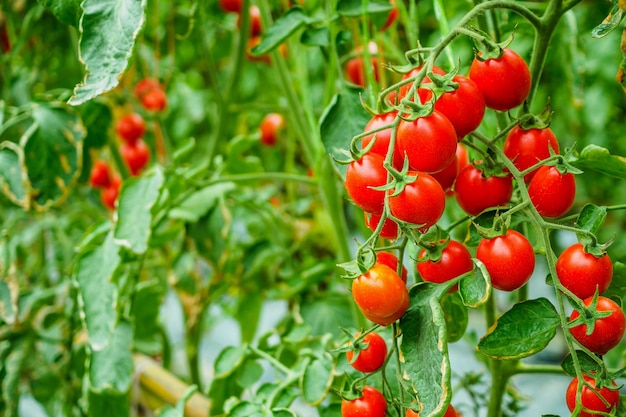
<point>505,82</point>
<point>372,357</point>
<point>271,124</point>
<point>450,412</point>
<point>100,176</point>
<point>231,5</point>
<point>381,145</point>
<point>154,100</point>
<point>607,331</point>
<point>393,15</point>
<point>527,147</point>
<point>447,176</point>
<point>455,261</point>
<point>589,399</point>
<point>462,156</point>
<point>131,127</point>
<point>136,156</point>
<point>551,192</point>
<point>371,404</point>
<point>381,295</point>
<point>389,259</point>
<point>429,142</point>
<point>475,192</point>
<point>361,176</point>
<point>109,194</point>
<point>146,85</point>
<point>421,202</point>
<point>355,70</point>
<point>424,93</point>
<point>389,229</point>
<point>582,273</point>
<point>464,107</point>
<point>509,259</point>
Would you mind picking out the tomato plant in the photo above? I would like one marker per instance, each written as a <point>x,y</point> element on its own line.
<point>370,403</point>
<point>526,147</point>
<point>455,260</point>
<point>371,355</point>
<point>136,155</point>
<point>100,175</point>
<point>362,176</point>
<point>606,332</point>
<point>131,127</point>
<point>420,202</point>
<point>381,295</point>
<point>603,399</point>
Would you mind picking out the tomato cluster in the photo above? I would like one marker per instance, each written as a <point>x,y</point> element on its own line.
<point>102,177</point>
<point>134,150</point>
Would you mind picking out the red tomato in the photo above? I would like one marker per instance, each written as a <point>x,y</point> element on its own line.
<point>607,331</point>
<point>551,192</point>
<point>131,127</point>
<point>582,273</point>
<point>505,82</point>
<point>447,176</point>
<point>393,15</point>
<point>462,156</point>
<point>136,155</point>
<point>389,259</point>
<point>425,94</point>
<point>231,5</point>
<point>450,412</point>
<point>100,176</point>
<point>355,70</point>
<point>255,21</point>
<point>154,100</point>
<point>455,261</point>
<point>145,86</point>
<point>475,192</point>
<point>381,145</point>
<point>589,399</point>
<point>421,202</point>
<point>464,107</point>
<point>429,142</point>
<point>109,194</point>
<point>389,229</point>
<point>361,176</point>
<point>5,41</point>
<point>372,357</point>
<point>527,147</point>
<point>271,124</point>
<point>381,295</point>
<point>371,404</point>
<point>509,259</point>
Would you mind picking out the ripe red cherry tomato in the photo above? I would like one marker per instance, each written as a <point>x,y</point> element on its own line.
<point>424,93</point>
<point>389,259</point>
<point>146,85</point>
<point>361,176</point>
<point>271,124</point>
<point>231,5</point>
<point>551,192</point>
<point>355,70</point>
<point>100,176</point>
<point>389,229</point>
<point>381,145</point>
<point>109,194</point>
<point>372,357</point>
<point>509,259</point>
<point>450,412</point>
<point>131,127</point>
<point>582,273</point>
<point>421,202</point>
<point>505,82</point>
<point>154,100</point>
<point>447,176</point>
<point>429,142</point>
<point>464,107</point>
<point>455,261</point>
<point>371,404</point>
<point>607,332</point>
<point>527,147</point>
<point>381,295</point>
<point>589,399</point>
<point>136,156</point>
<point>475,192</point>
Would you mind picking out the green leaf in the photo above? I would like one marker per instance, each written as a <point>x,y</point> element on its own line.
<point>316,37</point>
<point>200,202</point>
<point>456,316</point>
<point>9,295</point>
<point>587,364</point>
<point>327,314</point>
<point>355,8</point>
<point>248,313</point>
<point>317,380</point>
<point>283,28</point>
<point>524,330</point>
<point>111,368</point>
<point>179,411</point>
<point>475,289</point>
<point>12,370</point>
<point>97,118</point>
<point>425,349</point>
<point>610,22</point>
<point>13,179</point>
<point>617,288</point>
<point>66,11</point>
<point>147,302</point>
<point>229,360</point>
<point>599,159</point>
<point>246,409</point>
<point>134,211</point>
<point>283,412</point>
<point>591,217</point>
<point>249,373</point>
<point>283,396</point>
<point>108,32</point>
<point>107,403</point>
<point>343,119</point>
<point>97,294</point>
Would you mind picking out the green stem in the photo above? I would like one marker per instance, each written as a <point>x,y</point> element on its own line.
<point>272,360</point>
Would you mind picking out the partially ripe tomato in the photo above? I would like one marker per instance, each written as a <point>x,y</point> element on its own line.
<point>527,147</point>
<point>421,202</point>
<point>607,331</point>
<point>109,194</point>
<point>505,82</point>
<point>100,176</point>
<point>590,399</point>
<point>450,412</point>
<point>372,357</point>
<point>231,5</point>
<point>455,261</point>
<point>389,259</point>
<point>509,259</point>
<point>475,192</point>
<point>389,229</point>
<point>355,70</point>
<point>130,127</point>
<point>551,192</point>
<point>583,273</point>
<point>371,404</point>
<point>361,176</point>
<point>381,295</point>
<point>381,145</point>
<point>270,126</point>
<point>136,155</point>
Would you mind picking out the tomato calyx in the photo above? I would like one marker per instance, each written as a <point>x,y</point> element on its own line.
<point>486,48</point>
<point>536,121</point>
<point>433,243</point>
<point>589,314</point>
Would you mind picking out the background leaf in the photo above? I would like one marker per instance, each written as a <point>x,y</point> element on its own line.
<point>600,160</point>
<point>67,11</point>
<point>475,288</point>
<point>281,30</point>
<point>111,368</point>
<point>317,379</point>
<point>354,8</point>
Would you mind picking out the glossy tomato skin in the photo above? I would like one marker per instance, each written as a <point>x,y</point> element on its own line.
<point>455,261</point>
<point>505,82</point>
<point>527,147</point>
<point>100,176</point>
<point>131,127</point>
<point>551,192</point>
<point>371,404</point>
<point>361,176</point>
<point>155,100</point>
<point>429,142</point>
<point>136,155</point>
<point>389,229</point>
<point>509,259</point>
<point>372,357</point>
<point>421,202</point>
<point>389,259</point>
<point>381,295</point>
<point>146,85</point>
<point>270,126</point>
<point>464,107</point>
<point>450,412</point>
<point>582,273</point>
<point>109,194</point>
<point>607,332</point>
<point>381,145</point>
<point>475,192</point>
<point>447,176</point>
<point>590,399</point>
